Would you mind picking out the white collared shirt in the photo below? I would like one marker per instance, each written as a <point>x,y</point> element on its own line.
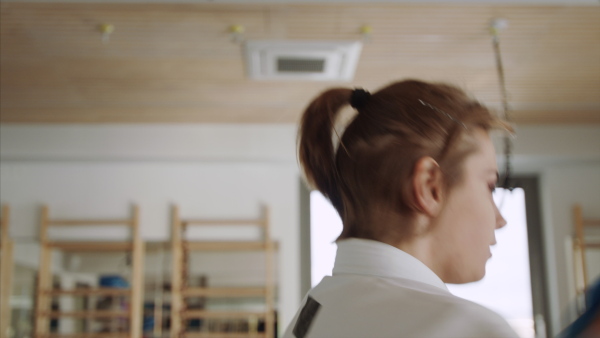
<point>378,291</point>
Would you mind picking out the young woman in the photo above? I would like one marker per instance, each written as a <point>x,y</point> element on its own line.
<point>412,178</point>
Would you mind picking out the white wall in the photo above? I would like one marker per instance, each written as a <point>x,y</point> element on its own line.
<point>227,170</point>
<point>208,171</point>
<point>150,142</point>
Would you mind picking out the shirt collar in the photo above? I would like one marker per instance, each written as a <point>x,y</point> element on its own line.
<point>373,258</point>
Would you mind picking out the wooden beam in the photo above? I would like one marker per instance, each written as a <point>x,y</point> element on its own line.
<point>159,296</point>
<point>91,246</point>
<point>86,335</point>
<point>4,223</point>
<point>265,113</point>
<point>137,277</point>
<point>6,270</point>
<point>44,277</point>
<point>89,222</point>
<point>270,283</point>
<point>250,222</point>
<point>591,222</point>
<point>225,292</point>
<point>90,292</point>
<point>176,273</point>
<point>578,218</point>
<point>225,246</point>
<point>222,314</point>
<point>223,335</point>
<point>86,314</point>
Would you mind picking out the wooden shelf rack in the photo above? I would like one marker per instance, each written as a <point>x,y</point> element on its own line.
<point>45,293</point>
<point>86,335</point>
<point>180,291</point>
<point>581,245</point>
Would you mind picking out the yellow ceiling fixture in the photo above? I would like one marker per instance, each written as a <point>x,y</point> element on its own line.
<point>365,32</point>
<point>237,33</point>
<point>106,29</point>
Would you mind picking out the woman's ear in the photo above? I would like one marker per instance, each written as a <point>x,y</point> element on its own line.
<point>427,186</point>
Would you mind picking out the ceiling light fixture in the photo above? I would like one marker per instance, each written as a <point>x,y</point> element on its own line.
<point>365,32</point>
<point>106,29</point>
<point>236,33</point>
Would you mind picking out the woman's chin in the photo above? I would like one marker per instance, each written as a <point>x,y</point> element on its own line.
<point>465,278</point>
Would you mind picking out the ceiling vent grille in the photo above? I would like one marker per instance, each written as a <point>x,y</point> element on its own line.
<point>302,60</point>
<point>298,65</point>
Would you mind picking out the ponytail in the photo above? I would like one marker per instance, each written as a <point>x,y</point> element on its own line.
<point>316,150</point>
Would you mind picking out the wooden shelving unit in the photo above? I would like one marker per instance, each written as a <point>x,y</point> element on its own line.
<point>45,293</point>
<point>223,335</point>
<point>6,266</point>
<point>85,335</point>
<point>581,245</point>
<point>180,291</point>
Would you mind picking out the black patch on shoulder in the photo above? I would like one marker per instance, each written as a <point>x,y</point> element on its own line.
<point>307,315</point>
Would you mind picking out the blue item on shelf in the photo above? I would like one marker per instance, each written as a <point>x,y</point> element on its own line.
<point>148,324</point>
<point>113,281</point>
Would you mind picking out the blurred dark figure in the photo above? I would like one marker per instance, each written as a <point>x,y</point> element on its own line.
<point>588,324</point>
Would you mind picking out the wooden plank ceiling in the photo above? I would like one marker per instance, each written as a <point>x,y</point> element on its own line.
<point>172,63</point>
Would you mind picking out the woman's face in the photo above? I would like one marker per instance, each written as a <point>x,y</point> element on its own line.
<point>464,229</point>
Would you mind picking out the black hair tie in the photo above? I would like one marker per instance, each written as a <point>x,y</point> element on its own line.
<point>359,98</point>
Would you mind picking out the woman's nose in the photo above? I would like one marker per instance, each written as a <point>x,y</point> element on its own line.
<point>500,221</point>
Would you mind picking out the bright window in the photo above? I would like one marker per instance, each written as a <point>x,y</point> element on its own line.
<point>506,287</point>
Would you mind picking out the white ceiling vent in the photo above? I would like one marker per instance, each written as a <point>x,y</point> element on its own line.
<point>302,60</point>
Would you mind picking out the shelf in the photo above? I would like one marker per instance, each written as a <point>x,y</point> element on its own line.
<point>91,246</point>
<point>591,222</point>
<point>249,222</point>
<point>181,248</point>
<point>87,335</point>
<point>225,292</point>
<point>91,292</point>
<point>89,222</point>
<point>225,246</point>
<point>221,314</point>
<point>45,293</point>
<point>223,335</point>
<point>86,314</point>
